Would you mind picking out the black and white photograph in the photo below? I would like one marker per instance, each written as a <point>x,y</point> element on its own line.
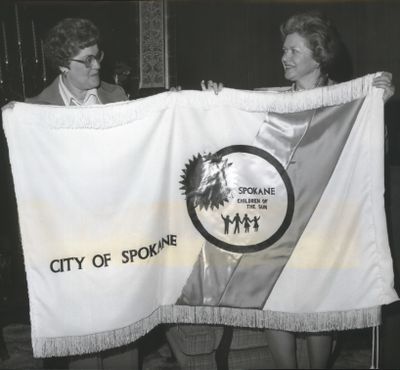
<point>199,184</point>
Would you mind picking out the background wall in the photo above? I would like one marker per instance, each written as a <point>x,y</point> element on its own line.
<point>239,44</point>
<point>27,23</point>
<point>235,42</point>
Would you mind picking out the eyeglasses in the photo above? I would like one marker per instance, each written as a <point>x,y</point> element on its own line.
<point>88,61</point>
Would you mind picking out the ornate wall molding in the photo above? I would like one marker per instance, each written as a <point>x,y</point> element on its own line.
<point>153,45</point>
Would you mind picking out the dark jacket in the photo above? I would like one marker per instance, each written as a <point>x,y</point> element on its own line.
<point>108,93</point>
<point>127,356</point>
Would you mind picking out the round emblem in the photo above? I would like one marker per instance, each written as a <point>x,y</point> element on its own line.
<point>240,198</point>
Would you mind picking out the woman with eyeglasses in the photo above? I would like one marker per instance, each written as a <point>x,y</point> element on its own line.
<point>72,48</point>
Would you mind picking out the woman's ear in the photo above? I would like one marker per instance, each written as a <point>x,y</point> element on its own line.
<point>63,70</point>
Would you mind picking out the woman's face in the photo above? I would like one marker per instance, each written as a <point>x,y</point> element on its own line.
<point>82,77</point>
<point>298,62</point>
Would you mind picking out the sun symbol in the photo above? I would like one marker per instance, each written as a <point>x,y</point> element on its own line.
<point>204,181</point>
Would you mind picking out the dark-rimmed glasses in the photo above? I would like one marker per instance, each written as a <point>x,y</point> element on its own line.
<point>88,61</point>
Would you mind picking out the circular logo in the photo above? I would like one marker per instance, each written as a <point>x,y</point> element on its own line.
<point>240,198</point>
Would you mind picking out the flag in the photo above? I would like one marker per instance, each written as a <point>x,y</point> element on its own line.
<point>254,209</point>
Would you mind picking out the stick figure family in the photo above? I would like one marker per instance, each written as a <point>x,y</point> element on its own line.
<point>237,221</point>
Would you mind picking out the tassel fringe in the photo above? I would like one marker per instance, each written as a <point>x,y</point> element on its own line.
<point>251,318</point>
<point>117,114</point>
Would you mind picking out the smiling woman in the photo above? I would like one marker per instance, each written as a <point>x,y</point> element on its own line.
<point>84,71</point>
<point>298,63</point>
<point>72,47</point>
<point>310,45</point>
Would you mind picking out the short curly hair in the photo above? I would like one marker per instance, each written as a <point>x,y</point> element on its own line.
<point>322,36</point>
<point>67,38</point>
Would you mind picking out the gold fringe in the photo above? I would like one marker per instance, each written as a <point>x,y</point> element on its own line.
<point>251,318</point>
<point>121,113</point>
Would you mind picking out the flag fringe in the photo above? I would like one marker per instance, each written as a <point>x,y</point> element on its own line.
<point>121,113</point>
<point>238,317</point>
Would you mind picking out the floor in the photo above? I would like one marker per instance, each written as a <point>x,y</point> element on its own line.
<point>353,351</point>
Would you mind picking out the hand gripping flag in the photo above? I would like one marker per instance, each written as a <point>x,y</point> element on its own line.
<point>255,209</point>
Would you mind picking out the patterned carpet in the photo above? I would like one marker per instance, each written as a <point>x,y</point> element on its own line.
<point>353,351</point>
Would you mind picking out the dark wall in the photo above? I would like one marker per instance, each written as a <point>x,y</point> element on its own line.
<point>118,23</point>
<point>235,41</point>
<point>238,42</point>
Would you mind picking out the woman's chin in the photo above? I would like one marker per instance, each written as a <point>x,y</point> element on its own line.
<point>290,76</point>
<point>94,82</point>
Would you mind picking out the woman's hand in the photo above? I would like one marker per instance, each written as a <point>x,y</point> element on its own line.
<point>9,105</point>
<point>384,81</point>
<point>175,88</point>
<point>212,86</point>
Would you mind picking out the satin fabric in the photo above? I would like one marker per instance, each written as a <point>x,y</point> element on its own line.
<point>246,280</point>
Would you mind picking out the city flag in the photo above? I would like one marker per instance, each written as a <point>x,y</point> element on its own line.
<point>246,208</point>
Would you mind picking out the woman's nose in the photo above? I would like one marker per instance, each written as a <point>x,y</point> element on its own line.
<point>285,56</point>
<point>96,64</point>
